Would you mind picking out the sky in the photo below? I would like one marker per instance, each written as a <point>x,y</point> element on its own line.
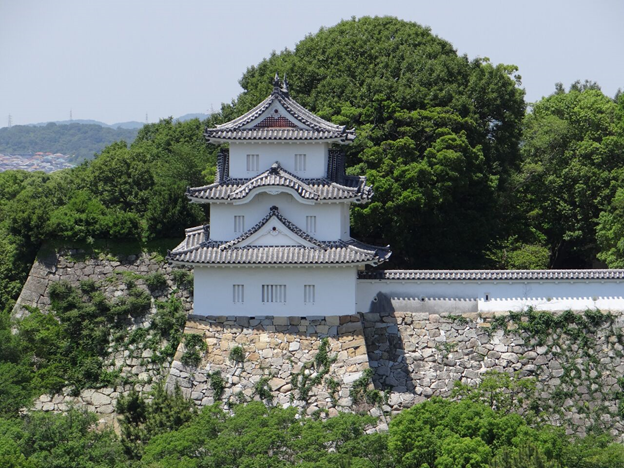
<point>117,61</point>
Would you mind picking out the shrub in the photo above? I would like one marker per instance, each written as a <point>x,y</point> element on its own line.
<point>237,354</point>
<point>183,279</point>
<point>156,281</point>
<point>194,344</point>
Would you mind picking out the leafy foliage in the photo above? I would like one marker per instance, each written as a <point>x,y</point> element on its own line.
<point>142,420</point>
<point>572,147</point>
<point>437,134</point>
<point>194,345</point>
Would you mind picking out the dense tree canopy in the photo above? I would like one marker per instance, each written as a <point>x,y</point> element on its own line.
<point>437,133</point>
<point>573,149</point>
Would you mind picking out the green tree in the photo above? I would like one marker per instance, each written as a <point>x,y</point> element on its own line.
<point>572,147</point>
<point>437,133</point>
<point>610,232</point>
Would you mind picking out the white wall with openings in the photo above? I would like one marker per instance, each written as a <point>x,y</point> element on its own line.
<point>310,163</point>
<point>331,219</point>
<point>503,296</point>
<point>254,291</point>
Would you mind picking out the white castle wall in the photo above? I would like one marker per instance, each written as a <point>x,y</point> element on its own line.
<point>332,220</point>
<point>316,160</point>
<point>494,296</point>
<point>214,291</point>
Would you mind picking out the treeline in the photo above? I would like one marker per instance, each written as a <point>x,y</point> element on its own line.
<point>465,173</point>
<point>80,141</point>
<point>169,432</point>
<point>128,192</point>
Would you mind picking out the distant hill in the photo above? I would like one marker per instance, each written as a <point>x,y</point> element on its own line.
<point>133,124</point>
<point>80,141</point>
<point>186,117</point>
<point>126,125</point>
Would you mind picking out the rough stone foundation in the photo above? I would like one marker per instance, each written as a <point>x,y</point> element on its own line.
<point>413,356</point>
<point>275,348</point>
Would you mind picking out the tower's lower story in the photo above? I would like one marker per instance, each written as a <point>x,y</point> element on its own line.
<point>276,269</point>
<point>277,291</point>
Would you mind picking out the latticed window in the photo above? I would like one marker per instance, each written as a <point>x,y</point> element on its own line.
<point>309,294</point>
<point>238,293</point>
<point>239,223</point>
<point>253,162</point>
<point>311,224</point>
<point>273,293</point>
<point>300,162</point>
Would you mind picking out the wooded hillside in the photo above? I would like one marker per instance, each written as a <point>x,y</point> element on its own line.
<point>80,141</point>
<point>466,175</point>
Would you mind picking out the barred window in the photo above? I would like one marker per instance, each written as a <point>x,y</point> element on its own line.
<point>309,294</point>
<point>238,293</point>
<point>253,162</point>
<point>311,224</point>
<point>300,162</point>
<point>273,293</point>
<point>239,223</point>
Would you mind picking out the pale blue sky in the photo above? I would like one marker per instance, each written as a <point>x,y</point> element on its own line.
<point>116,60</point>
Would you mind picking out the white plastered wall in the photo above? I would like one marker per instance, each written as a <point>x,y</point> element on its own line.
<point>503,296</point>
<point>329,217</point>
<point>334,291</point>
<point>316,158</point>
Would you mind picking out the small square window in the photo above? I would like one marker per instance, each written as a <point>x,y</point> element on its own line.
<point>309,294</point>
<point>273,293</point>
<point>311,224</point>
<point>253,162</point>
<point>300,162</point>
<point>239,224</point>
<point>238,293</point>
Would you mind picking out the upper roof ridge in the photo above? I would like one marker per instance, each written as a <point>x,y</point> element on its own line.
<point>318,128</point>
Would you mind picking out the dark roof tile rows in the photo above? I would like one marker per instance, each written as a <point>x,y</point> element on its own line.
<point>311,127</point>
<point>491,275</point>
<point>198,248</point>
<point>339,252</point>
<point>354,188</point>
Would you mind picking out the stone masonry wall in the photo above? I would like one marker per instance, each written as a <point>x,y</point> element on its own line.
<point>282,350</point>
<point>419,355</point>
<point>137,370</point>
<point>411,356</point>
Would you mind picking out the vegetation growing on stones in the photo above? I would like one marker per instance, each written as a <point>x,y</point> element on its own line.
<point>312,373</point>
<point>237,354</point>
<point>81,340</point>
<point>194,347</point>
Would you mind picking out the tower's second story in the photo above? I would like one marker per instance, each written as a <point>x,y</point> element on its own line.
<point>282,155</point>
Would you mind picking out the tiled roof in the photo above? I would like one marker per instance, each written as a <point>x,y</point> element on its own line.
<point>354,188</point>
<point>492,275</point>
<point>311,127</point>
<point>197,248</point>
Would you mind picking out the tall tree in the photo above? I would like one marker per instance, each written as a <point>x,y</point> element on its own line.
<point>437,133</point>
<point>573,145</point>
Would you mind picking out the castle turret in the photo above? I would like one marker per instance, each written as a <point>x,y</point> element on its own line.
<point>278,242</point>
